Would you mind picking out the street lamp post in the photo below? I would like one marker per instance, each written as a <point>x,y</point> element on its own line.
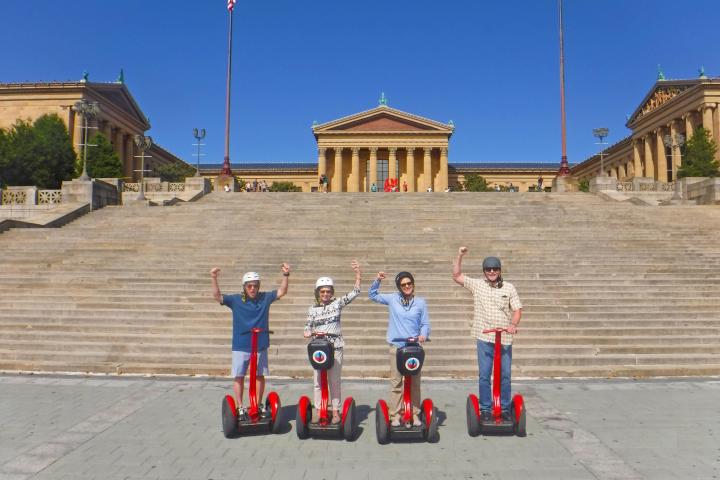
<point>88,110</point>
<point>143,143</point>
<point>199,134</point>
<point>601,133</point>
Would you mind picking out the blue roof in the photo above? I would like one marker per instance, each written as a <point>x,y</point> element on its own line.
<point>260,166</point>
<point>453,165</point>
<point>503,165</point>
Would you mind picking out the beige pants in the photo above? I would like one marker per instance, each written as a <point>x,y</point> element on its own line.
<point>333,376</point>
<point>396,387</point>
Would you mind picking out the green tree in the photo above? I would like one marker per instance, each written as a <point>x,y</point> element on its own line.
<point>584,185</point>
<point>102,161</point>
<point>174,172</point>
<point>284,187</point>
<point>39,154</point>
<point>475,183</point>
<point>699,159</point>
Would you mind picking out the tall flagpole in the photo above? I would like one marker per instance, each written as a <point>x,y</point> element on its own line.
<point>226,161</point>
<point>564,169</point>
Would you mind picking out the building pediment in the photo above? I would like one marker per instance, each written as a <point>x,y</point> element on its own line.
<point>662,92</point>
<point>119,97</point>
<point>383,119</point>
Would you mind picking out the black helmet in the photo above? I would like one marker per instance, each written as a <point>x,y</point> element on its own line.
<point>491,262</point>
<point>402,275</point>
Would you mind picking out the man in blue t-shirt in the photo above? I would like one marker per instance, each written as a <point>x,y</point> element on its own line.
<point>250,309</point>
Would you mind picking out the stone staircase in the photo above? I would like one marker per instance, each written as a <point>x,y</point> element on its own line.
<point>609,289</point>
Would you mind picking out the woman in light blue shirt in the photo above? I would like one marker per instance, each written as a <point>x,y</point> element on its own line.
<point>408,317</point>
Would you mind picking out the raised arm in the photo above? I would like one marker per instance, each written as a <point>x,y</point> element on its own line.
<point>356,268</point>
<point>214,282</point>
<point>457,267</point>
<point>373,293</point>
<point>283,288</point>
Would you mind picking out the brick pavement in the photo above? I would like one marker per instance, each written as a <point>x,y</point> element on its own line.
<point>74,427</point>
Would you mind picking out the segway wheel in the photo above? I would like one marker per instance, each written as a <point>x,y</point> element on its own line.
<point>382,429</point>
<point>520,425</point>
<point>432,427</point>
<point>473,421</point>
<point>302,418</point>
<point>349,425</point>
<point>274,406</point>
<point>229,417</point>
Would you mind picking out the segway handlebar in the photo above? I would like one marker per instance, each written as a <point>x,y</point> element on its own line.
<point>257,330</point>
<point>408,340</point>
<point>323,334</point>
<point>495,330</point>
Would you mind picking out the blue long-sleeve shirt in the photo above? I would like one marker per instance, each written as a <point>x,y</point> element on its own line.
<point>411,320</point>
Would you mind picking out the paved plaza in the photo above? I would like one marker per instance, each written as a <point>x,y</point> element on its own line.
<point>77,427</point>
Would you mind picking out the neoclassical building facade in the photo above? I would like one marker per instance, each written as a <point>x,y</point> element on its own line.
<point>119,117</point>
<point>666,117</point>
<point>367,148</point>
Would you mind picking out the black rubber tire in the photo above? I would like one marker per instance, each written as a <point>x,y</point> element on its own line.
<point>382,429</point>
<point>229,420</point>
<point>520,425</point>
<point>349,425</point>
<point>473,421</point>
<point>301,421</point>
<point>432,429</point>
<point>275,425</point>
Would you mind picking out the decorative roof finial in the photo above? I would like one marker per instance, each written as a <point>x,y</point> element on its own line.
<point>383,99</point>
<point>121,77</point>
<point>451,123</point>
<point>661,75</point>
<point>84,77</point>
<point>702,72</point>
<point>315,123</point>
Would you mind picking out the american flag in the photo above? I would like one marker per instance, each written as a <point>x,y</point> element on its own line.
<point>231,4</point>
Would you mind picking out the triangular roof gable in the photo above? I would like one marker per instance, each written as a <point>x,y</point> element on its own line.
<point>119,95</point>
<point>383,119</point>
<point>662,92</point>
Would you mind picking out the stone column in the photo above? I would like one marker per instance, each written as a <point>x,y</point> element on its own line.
<point>622,173</point>
<point>373,167</point>
<point>716,130</point>
<point>443,180</point>
<point>355,173</point>
<point>119,142</point>
<point>649,162</point>
<point>688,126</point>
<point>322,162</point>
<point>676,156</point>
<point>427,168</point>
<point>661,158</point>
<point>338,175</point>
<point>410,162</point>
<point>707,120</point>
<point>637,166</point>
<point>129,160</point>
<point>71,129</point>
<point>392,163</point>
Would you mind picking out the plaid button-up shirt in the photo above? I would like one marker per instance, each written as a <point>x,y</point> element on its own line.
<point>493,308</point>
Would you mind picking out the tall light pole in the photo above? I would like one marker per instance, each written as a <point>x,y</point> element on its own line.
<point>87,110</point>
<point>226,160</point>
<point>601,133</point>
<point>564,168</point>
<point>199,134</point>
<point>143,143</point>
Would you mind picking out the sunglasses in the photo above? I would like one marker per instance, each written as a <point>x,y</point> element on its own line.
<point>252,285</point>
<point>492,269</point>
<point>325,292</point>
<point>406,284</point>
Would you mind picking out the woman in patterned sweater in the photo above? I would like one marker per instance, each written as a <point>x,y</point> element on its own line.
<point>324,317</point>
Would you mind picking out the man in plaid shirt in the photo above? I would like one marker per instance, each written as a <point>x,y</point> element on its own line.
<point>497,305</point>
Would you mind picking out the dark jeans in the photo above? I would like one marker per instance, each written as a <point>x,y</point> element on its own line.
<point>486,354</point>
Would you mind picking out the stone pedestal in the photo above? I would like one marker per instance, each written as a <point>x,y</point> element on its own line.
<point>198,184</point>
<point>638,182</point>
<point>222,180</point>
<point>565,184</point>
<point>95,192</point>
<point>601,184</point>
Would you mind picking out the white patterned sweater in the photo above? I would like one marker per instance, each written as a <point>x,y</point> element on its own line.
<point>326,318</point>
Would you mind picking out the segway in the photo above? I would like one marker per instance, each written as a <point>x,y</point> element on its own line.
<point>409,361</point>
<point>496,425</point>
<point>256,421</point>
<point>321,353</point>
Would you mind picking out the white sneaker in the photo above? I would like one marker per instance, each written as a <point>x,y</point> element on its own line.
<point>395,421</point>
<point>242,413</point>
<point>262,409</point>
<point>416,421</point>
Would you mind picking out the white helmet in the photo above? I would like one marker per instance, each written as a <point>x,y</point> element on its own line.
<point>324,282</point>
<point>251,277</point>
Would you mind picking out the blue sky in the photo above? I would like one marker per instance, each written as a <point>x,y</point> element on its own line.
<point>491,67</point>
